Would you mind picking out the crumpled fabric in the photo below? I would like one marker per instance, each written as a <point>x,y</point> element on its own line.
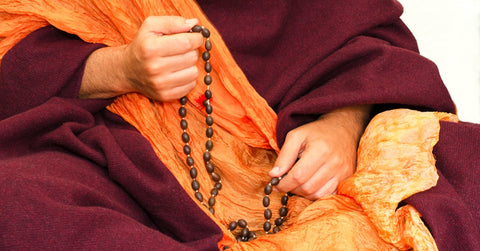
<point>395,154</point>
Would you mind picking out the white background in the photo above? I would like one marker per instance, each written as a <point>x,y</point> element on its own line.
<point>448,33</point>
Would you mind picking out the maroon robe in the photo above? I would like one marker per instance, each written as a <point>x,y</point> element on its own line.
<point>75,175</point>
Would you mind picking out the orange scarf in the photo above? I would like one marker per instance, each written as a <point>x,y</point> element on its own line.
<point>362,216</point>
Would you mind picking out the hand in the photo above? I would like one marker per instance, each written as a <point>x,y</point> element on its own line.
<point>320,154</point>
<point>160,62</point>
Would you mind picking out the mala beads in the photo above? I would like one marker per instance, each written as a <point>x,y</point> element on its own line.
<point>245,233</point>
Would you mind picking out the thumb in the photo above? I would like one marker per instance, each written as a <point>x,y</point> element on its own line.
<point>166,25</point>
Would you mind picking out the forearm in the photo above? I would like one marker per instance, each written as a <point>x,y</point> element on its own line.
<point>104,75</point>
<point>354,119</point>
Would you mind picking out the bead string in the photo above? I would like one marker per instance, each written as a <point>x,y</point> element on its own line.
<point>245,233</point>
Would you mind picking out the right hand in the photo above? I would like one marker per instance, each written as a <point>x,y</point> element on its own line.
<point>160,62</point>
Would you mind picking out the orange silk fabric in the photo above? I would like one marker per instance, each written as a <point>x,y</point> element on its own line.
<point>395,154</point>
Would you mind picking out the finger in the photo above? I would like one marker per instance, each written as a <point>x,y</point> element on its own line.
<point>174,63</point>
<point>328,189</point>
<point>166,83</point>
<point>177,44</point>
<point>317,181</point>
<point>287,156</point>
<point>176,92</point>
<point>164,25</point>
<point>302,171</point>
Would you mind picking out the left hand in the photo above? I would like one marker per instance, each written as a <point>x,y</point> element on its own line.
<point>321,154</point>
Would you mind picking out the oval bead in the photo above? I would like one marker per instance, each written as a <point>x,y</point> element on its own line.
<point>275,181</point>
<point>199,196</point>
<point>276,230</point>
<point>218,186</point>
<point>215,177</point>
<point>182,112</point>
<point>267,226</point>
<point>209,132</point>
<point>208,45</point>
<point>206,55</point>
<point>283,211</point>
<point>207,156</point>
<point>209,120</point>
<point>183,100</point>
<point>209,166</point>
<point>208,109</point>
<point>212,210</point>
<point>183,124</point>
<point>185,137</point>
<point>245,232</point>
<point>207,79</point>
<point>278,221</point>
<point>268,189</point>
<point>266,201</point>
<point>186,149</point>
<point>195,185</point>
<point>208,94</point>
<point>232,226</point>
<point>214,192</point>
<point>193,172</point>
<point>197,28</point>
<point>208,67</point>
<point>209,145</point>
<point>284,200</point>
<point>211,201</point>
<point>267,214</point>
<point>205,32</point>
<point>242,223</point>
<point>190,161</point>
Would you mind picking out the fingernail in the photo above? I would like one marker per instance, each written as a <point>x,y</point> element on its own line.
<point>274,170</point>
<point>191,22</point>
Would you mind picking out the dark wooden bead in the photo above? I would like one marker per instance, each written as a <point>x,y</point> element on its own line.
<point>252,236</point>
<point>284,200</point>
<point>283,211</point>
<point>208,44</point>
<point>208,94</point>
<point>216,177</point>
<point>205,102</point>
<point>242,223</point>
<point>199,196</point>
<point>267,226</point>
<point>208,67</point>
<point>209,120</point>
<point>266,201</point>
<point>211,201</point>
<point>183,124</point>
<point>209,145</point>
<point>238,238</point>
<point>245,232</point>
<point>232,226</point>
<point>182,112</point>
<point>193,172</point>
<point>197,28</point>
<point>183,100</point>
<point>206,55</point>
<point>278,221</point>
<point>275,181</point>
<point>207,79</point>
<point>209,166</point>
<point>190,161</point>
<point>267,214</point>
<point>208,109</point>
<point>218,186</point>
<point>214,192</point>
<point>209,132</point>
<point>195,185</point>
<point>226,247</point>
<point>268,189</point>
<point>207,156</point>
<point>185,137</point>
<point>276,230</point>
<point>187,150</point>
<point>212,210</point>
<point>205,32</point>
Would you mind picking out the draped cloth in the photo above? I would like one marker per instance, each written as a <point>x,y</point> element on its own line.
<point>395,157</point>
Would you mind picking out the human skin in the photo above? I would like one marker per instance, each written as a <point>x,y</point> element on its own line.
<point>160,63</point>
